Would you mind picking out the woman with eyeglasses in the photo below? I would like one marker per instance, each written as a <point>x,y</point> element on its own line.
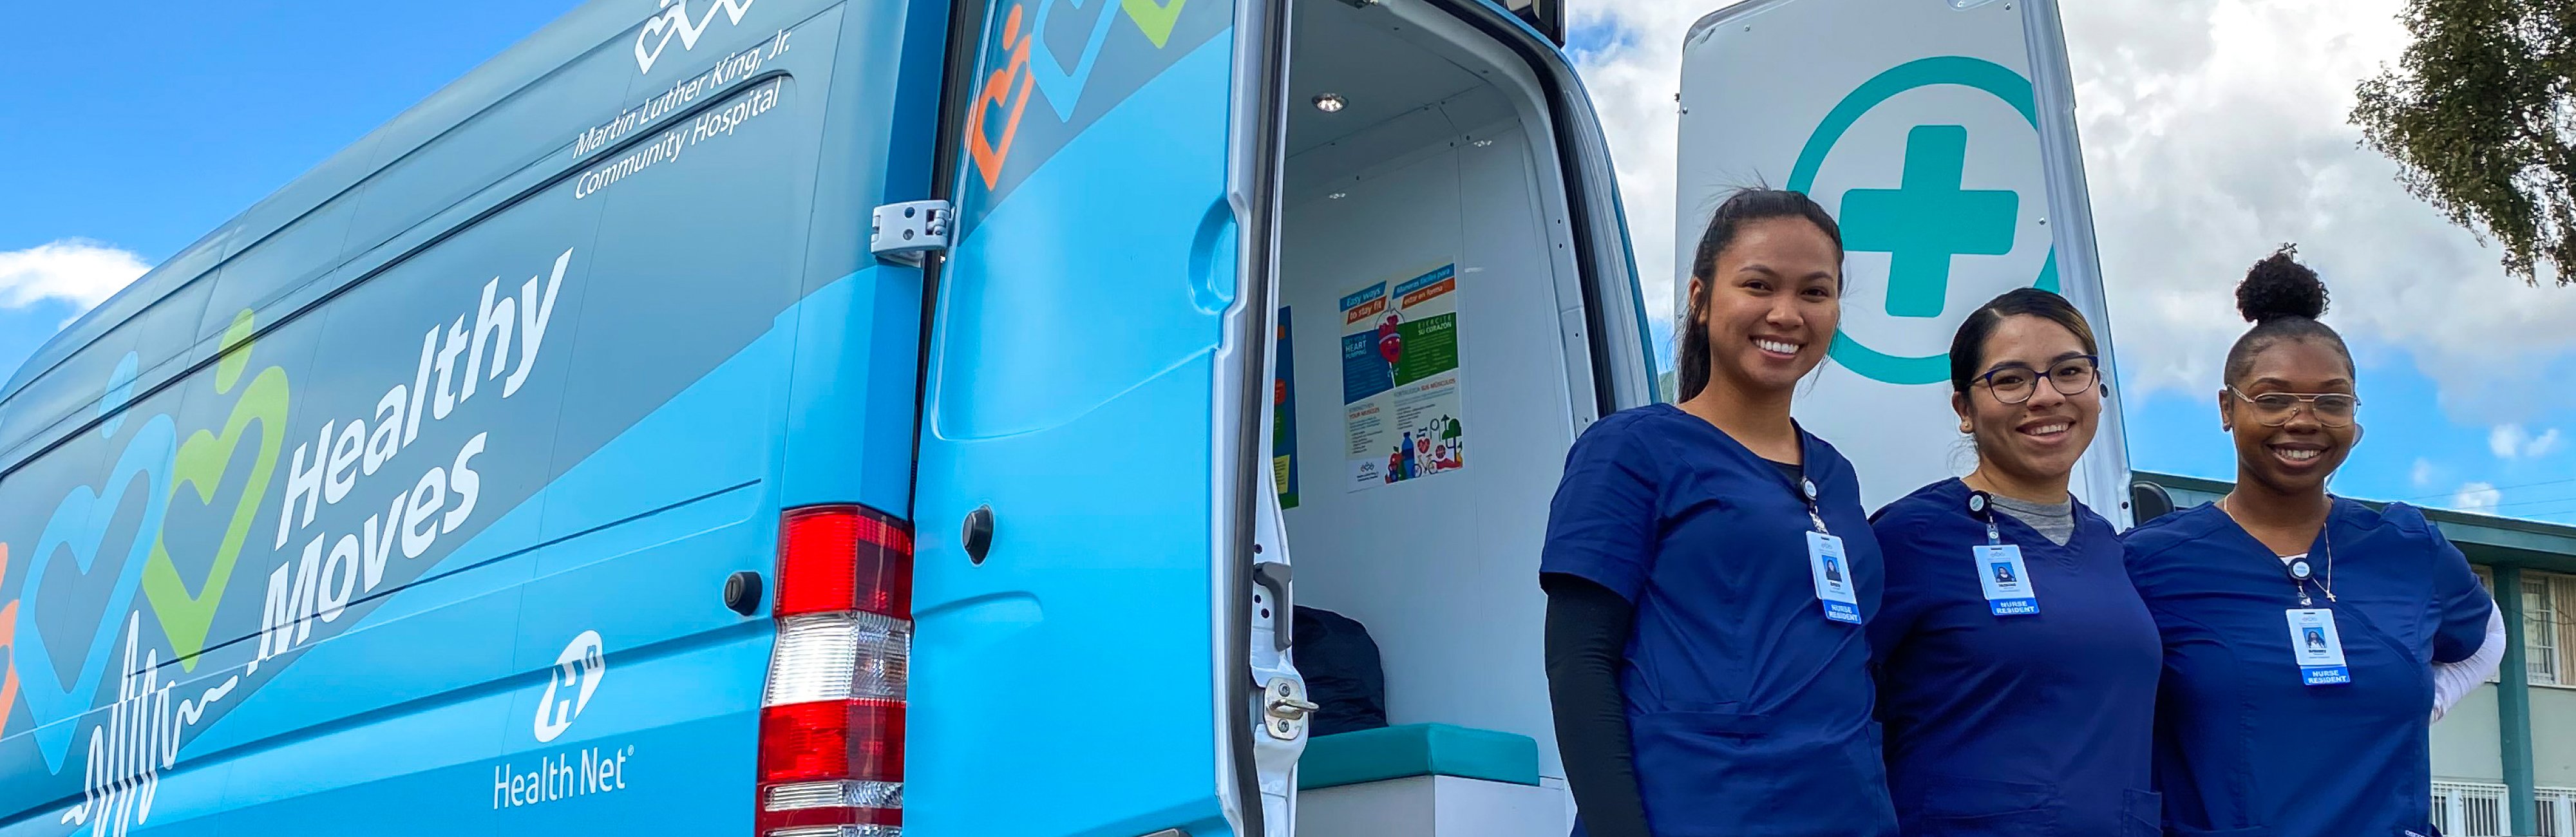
<point>2309,640</point>
<point>2016,665</point>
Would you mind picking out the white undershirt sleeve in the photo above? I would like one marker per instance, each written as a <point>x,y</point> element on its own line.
<point>2452,681</point>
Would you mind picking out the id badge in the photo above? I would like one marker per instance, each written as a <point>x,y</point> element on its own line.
<point>2007,581</point>
<point>1833,573</point>
<point>2319,650</point>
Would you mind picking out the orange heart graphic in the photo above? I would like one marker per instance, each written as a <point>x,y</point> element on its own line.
<point>8,640</point>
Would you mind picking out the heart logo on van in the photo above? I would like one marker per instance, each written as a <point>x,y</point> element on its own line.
<point>78,530</point>
<point>673,21</point>
<point>9,641</point>
<point>659,25</point>
<point>201,463</point>
<point>1155,19</point>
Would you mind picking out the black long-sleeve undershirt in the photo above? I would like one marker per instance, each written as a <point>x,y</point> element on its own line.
<point>1587,641</point>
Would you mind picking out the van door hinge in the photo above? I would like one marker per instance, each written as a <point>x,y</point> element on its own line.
<point>903,232</point>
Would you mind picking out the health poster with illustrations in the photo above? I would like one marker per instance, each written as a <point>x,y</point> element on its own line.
<point>1401,409</point>
<point>1283,418</point>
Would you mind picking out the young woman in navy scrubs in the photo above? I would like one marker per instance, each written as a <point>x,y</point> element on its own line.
<point>2016,664</point>
<point>1709,571</point>
<point>2304,634</point>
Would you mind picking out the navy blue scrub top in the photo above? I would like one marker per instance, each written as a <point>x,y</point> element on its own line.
<point>2243,747</point>
<point>2013,726</point>
<point>1748,710</point>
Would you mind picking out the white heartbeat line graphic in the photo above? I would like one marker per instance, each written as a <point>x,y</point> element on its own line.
<point>139,739</point>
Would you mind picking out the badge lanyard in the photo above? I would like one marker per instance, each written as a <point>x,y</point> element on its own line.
<point>2313,639</point>
<point>2000,570</point>
<point>1835,587</point>
<point>2314,642</point>
<point>2299,572</point>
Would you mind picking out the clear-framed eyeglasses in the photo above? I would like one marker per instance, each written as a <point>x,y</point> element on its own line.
<point>2273,409</point>
<point>2015,383</point>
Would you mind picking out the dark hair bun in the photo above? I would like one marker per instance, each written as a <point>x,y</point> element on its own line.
<point>2279,286</point>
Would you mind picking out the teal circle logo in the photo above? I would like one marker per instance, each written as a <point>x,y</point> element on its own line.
<point>1926,220</point>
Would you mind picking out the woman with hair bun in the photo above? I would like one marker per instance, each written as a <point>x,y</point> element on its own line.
<point>2309,640</point>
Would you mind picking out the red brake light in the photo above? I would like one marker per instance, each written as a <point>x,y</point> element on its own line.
<point>806,742</point>
<point>831,722</point>
<point>840,558</point>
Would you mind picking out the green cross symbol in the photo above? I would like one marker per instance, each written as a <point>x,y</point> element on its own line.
<point>1929,219</point>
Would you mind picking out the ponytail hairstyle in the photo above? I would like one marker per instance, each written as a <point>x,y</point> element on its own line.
<point>1743,206</point>
<point>2283,299</point>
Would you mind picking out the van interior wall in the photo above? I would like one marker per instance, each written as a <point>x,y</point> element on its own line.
<point>1439,172</point>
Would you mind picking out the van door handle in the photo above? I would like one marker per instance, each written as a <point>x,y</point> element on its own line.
<point>977,536</point>
<point>1273,575</point>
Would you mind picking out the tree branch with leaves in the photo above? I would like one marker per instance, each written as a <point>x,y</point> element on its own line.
<point>2480,115</point>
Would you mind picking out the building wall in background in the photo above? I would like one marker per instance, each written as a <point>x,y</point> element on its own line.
<point>2464,741</point>
<point>2553,736</point>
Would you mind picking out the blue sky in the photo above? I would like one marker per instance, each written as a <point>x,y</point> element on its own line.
<point>162,120</point>
<point>191,112</point>
<point>2410,449</point>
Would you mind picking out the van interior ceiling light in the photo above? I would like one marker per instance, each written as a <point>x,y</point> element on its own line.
<point>1330,102</point>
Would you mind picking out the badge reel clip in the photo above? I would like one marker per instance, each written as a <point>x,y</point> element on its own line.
<point>1982,507</point>
<point>1836,584</point>
<point>2000,570</point>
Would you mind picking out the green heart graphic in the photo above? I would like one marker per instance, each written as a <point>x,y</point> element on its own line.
<point>202,460</point>
<point>1155,19</point>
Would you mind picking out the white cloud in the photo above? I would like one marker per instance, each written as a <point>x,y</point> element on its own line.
<point>2422,476</point>
<point>76,271</point>
<point>2477,497</point>
<point>2506,440</point>
<point>1632,81</point>
<point>2510,441</point>
<point>2214,130</point>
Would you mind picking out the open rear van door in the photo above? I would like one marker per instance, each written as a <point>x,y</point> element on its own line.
<point>1081,660</point>
<point>1941,134</point>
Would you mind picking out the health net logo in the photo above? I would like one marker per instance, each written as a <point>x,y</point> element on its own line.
<point>673,22</point>
<point>577,673</point>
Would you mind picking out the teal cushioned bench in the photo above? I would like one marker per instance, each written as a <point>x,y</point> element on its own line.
<point>1396,752</point>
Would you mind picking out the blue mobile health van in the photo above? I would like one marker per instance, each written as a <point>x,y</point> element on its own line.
<point>851,418</point>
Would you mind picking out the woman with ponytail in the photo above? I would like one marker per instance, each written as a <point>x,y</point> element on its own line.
<point>1709,571</point>
<point>2016,666</point>
<point>2308,639</point>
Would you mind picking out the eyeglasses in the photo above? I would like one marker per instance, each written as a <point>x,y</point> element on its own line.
<point>2015,383</point>
<point>2273,409</point>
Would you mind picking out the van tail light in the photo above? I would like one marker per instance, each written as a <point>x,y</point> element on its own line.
<point>831,719</point>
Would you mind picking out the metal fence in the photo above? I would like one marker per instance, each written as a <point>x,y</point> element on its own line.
<point>2469,809</point>
<point>2557,811</point>
<point>2477,809</point>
